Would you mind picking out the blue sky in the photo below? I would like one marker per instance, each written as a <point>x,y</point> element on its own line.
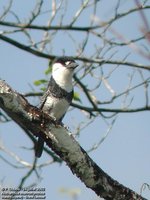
<point>124,154</point>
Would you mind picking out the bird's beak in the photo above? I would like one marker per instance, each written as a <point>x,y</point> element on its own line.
<point>73,65</point>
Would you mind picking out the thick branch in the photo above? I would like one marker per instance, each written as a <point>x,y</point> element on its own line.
<point>64,145</point>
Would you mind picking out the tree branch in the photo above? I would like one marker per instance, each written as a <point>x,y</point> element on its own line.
<point>63,144</point>
<point>99,109</point>
<point>70,27</point>
<point>84,59</point>
<point>111,110</point>
<point>25,47</point>
<point>48,28</point>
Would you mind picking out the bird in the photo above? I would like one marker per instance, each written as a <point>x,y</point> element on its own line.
<point>58,95</point>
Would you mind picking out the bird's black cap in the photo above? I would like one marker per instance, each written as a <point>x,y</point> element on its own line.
<point>64,60</point>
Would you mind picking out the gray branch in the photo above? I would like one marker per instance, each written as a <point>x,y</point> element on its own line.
<point>63,144</point>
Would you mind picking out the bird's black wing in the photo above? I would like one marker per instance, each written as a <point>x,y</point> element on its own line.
<point>44,98</point>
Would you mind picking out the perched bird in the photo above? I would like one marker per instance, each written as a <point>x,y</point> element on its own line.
<point>58,95</point>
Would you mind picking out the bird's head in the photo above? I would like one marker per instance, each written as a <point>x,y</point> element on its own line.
<point>64,63</point>
<point>62,71</point>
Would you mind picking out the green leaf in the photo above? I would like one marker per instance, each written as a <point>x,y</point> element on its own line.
<point>48,71</point>
<point>76,97</point>
<point>40,82</point>
<point>43,89</point>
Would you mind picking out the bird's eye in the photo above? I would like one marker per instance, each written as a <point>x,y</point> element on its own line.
<point>67,62</point>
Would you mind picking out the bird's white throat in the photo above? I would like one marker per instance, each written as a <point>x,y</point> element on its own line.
<point>63,76</point>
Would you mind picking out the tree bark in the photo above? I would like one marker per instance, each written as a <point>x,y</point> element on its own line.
<point>63,144</point>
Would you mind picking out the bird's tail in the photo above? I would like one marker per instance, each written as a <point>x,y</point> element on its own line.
<point>39,147</point>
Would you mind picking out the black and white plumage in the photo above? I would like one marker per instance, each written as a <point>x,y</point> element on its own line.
<point>59,93</point>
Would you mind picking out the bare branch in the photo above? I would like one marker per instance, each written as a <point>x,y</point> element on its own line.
<point>76,16</point>
<point>48,28</point>
<point>85,59</point>
<point>111,110</point>
<point>6,10</point>
<point>25,48</point>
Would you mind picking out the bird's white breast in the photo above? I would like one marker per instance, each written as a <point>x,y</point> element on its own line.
<point>56,107</point>
<point>63,77</point>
